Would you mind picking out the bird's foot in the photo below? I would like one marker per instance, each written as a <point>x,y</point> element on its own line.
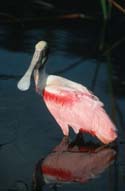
<point>63,146</point>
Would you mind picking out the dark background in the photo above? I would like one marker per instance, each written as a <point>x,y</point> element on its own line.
<point>89,50</point>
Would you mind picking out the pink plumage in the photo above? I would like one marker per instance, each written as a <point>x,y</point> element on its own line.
<point>71,104</point>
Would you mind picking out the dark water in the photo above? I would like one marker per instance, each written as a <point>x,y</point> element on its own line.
<point>27,130</point>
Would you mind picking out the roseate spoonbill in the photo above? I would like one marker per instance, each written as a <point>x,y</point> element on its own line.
<point>70,103</point>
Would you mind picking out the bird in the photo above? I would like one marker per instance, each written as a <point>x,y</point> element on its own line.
<point>70,103</point>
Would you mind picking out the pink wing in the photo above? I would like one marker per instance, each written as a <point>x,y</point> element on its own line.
<point>81,110</point>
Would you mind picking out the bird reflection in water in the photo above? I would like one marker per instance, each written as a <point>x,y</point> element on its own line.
<point>72,162</point>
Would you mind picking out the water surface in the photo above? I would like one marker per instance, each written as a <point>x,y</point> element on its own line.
<point>27,130</point>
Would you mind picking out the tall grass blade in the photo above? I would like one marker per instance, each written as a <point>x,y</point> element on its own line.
<point>104,9</point>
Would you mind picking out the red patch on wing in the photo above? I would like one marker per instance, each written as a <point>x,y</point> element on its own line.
<point>64,98</point>
<point>58,173</point>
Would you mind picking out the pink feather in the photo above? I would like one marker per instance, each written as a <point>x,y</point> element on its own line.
<point>71,104</point>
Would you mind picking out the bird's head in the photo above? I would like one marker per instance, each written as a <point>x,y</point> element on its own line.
<point>37,65</point>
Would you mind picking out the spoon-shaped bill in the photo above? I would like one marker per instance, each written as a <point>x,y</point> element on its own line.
<point>24,82</point>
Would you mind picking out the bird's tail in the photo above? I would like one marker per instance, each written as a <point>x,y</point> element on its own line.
<point>104,128</point>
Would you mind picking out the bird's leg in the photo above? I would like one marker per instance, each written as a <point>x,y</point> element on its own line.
<point>63,146</point>
<point>79,141</point>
